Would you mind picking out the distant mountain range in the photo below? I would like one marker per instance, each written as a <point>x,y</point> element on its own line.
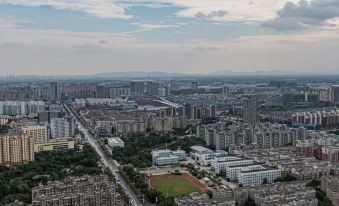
<point>148,75</point>
<point>138,74</point>
<point>274,73</point>
<point>130,74</point>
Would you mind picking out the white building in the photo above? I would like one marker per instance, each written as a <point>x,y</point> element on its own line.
<point>167,157</point>
<point>162,92</point>
<point>115,142</point>
<point>62,127</point>
<point>253,174</point>
<point>220,164</point>
<point>4,119</point>
<point>233,171</point>
<point>204,156</point>
<point>14,108</point>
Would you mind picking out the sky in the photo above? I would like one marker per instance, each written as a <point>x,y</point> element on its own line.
<point>54,37</point>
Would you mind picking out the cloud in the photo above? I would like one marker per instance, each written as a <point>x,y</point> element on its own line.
<point>63,52</point>
<point>212,15</point>
<point>218,10</point>
<point>142,27</point>
<point>215,10</point>
<point>43,51</point>
<point>12,21</point>
<point>148,27</point>
<point>97,8</point>
<point>305,14</point>
<point>207,48</point>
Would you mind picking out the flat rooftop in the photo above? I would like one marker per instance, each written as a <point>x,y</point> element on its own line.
<point>246,165</point>
<point>231,159</point>
<point>200,149</point>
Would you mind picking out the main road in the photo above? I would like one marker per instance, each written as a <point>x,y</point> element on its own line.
<point>110,164</point>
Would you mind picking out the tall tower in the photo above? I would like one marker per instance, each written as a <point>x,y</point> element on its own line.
<point>251,110</point>
<point>54,91</point>
<point>335,94</point>
<point>194,85</point>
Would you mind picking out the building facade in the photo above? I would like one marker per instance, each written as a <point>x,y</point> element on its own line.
<point>115,142</point>
<point>251,110</point>
<point>16,149</point>
<point>57,144</point>
<point>167,157</point>
<point>38,132</point>
<point>204,156</point>
<point>62,127</point>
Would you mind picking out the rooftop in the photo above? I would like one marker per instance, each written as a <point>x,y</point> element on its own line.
<point>200,149</point>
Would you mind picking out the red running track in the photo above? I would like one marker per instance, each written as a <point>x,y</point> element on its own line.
<point>187,176</point>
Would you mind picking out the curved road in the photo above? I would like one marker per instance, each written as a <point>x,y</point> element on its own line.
<point>111,164</point>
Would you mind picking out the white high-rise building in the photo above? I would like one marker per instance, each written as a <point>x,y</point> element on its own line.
<point>14,108</point>
<point>62,127</point>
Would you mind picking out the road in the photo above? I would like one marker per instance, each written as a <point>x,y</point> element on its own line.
<point>110,164</point>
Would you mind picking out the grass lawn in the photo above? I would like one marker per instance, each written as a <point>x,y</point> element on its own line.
<point>174,186</point>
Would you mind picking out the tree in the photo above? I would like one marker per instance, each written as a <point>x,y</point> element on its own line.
<point>222,173</point>
<point>265,181</point>
<point>153,196</point>
<point>16,182</point>
<point>210,194</point>
<point>326,202</point>
<point>249,202</point>
<point>314,183</point>
<point>4,129</point>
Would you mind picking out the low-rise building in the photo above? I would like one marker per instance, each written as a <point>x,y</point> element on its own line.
<point>57,144</point>
<point>4,119</point>
<point>293,194</point>
<point>82,191</point>
<point>253,174</point>
<point>257,174</point>
<point>330,185</point>
<point>204,156</point>
<point>220,197</point>
<point>116,142</point>
<point>15,203</point>
<point>167,157</point>
<point>220,164</point>
<point>232,172</point>
<point>314,170</point>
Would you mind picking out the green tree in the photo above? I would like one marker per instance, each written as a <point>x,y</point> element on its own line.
<point>265,181</point>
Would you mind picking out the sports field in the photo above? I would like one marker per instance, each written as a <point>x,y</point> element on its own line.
<point>174,185</point>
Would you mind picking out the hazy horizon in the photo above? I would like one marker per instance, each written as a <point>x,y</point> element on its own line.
<point>83,37</point>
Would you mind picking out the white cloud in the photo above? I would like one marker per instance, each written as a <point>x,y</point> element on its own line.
<point>62,52</point>
<point>8,21</point>
<point>149,27</point>
<point>98,8</point>
<point>222,10</point>
<point>217,10</point>
<point>306,14</point>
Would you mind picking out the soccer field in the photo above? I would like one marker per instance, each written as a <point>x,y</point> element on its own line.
<point>173,186</point>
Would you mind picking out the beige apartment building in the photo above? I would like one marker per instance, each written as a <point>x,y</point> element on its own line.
<point>16,149</point>
<point>38,132</point>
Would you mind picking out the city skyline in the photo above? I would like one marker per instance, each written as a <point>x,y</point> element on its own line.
<point>52,37</point>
